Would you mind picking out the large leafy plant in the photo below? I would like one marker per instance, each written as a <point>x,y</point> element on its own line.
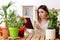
<point>53,19</point>
<point>4,14</point>
<point>14,21</point>
<point>10,19</point>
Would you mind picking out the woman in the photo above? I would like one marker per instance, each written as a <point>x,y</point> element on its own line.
<point>42,23</point>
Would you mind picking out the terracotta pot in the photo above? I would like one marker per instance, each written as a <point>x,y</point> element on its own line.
<point>0,31</point>
<point>5,32</point>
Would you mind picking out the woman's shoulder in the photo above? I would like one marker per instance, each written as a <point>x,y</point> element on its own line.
<point>46,23</point>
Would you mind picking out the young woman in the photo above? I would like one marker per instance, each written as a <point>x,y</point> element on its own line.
<point>42,23</point>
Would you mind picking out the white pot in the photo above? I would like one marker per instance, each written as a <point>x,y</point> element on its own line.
<point>50,33</point>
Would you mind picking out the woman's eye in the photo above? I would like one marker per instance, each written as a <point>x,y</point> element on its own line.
<point>42,12</point>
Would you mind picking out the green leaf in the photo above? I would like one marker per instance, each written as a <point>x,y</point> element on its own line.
<point>5,8</point>
<point>1,22</point>
<point>53,19</point>
<point>11,14</point>
<point>10,3</point>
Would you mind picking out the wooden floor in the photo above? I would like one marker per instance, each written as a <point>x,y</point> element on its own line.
<point>29,37</point>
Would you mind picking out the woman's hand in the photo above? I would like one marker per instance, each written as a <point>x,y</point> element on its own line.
<point>37,26</point>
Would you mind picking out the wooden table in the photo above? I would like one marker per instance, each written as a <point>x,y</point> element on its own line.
<point>29,37</point>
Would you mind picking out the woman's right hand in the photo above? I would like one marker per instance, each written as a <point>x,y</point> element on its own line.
<point>37,26</point>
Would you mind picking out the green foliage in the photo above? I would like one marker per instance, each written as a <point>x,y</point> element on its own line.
<point>53,17</point>
<point>4,8</point>
<point>14,21</point>
<point>10,19</point>
<point>4,13</point>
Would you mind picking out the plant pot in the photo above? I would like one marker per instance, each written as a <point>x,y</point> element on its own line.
<point>21,31</point>
<point>13,32</point>
<point>50,34</point>
<point>57,33</point>
<point>0,31</point>
<point>5,32</point>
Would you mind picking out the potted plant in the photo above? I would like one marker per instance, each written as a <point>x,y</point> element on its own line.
<point>15,25</point>
<point>53,24</point>
<point>12,24</point>
<point>22,27</point>
<point>4,17</point>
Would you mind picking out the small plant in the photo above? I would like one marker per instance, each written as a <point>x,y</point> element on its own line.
<point>14,21</point>
<point>53,19</point>
<point>10,19</point>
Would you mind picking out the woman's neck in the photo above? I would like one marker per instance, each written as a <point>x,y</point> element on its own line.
<point>44,20</point>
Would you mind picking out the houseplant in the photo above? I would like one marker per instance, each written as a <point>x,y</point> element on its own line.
<point>53,21</point>
<point>12,24</point>
<point>22,27</point>
<point>4,17</point>
<point>15,23</point>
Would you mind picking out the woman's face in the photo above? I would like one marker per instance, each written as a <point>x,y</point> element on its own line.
<point>42,13</point>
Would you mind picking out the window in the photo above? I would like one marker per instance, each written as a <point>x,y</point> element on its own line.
<point>28,11</point>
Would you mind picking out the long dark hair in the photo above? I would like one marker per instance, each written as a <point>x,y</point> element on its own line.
<point>44,7</point>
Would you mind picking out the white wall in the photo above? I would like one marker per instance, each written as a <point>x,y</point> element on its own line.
<point>19,3</point>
